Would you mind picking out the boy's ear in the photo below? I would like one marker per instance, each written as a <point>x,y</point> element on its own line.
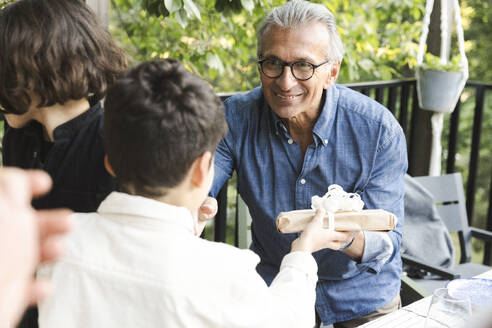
<point>108,166</point>
<point>200,169</point>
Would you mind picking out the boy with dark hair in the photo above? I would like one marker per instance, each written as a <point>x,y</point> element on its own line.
<point>138,261</point>
<point>56,62</point>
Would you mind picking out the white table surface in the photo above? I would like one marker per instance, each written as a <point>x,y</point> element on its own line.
<point>412,315</point>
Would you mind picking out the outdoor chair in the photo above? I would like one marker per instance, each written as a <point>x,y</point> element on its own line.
<point>448,194</point>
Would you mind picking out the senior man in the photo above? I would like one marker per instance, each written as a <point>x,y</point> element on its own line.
<point>299,133</point>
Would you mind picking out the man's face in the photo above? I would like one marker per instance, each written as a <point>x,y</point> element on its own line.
<point>287,96</point>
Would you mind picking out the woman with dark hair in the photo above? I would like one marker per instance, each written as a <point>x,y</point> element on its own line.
<point>56,62</point>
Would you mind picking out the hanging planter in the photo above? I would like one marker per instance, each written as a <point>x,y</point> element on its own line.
<point>440,82</point>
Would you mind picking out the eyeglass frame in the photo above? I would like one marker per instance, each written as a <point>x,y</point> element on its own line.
<point>291,65</point>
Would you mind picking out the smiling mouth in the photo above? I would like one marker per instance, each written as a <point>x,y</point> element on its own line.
<point>287,97</point>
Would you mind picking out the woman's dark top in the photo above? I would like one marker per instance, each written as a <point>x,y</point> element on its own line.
<point>75,160</point>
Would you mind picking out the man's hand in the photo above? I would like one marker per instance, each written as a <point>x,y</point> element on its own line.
<point>206,212</point>
<point>315,237</point>
<point>27,238</point>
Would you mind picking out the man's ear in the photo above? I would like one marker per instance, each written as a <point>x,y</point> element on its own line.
<point>333,74</point>
<point>108,166</point>
<point>200,169</point>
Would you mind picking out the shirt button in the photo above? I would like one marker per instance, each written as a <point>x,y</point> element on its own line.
<point>303,181</point>
<point>290,141</point>
<point>326,141</point>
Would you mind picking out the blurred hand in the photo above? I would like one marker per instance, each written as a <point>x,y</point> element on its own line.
<point>315,237</point>
<point>207,211</point>
<point>27,238</point>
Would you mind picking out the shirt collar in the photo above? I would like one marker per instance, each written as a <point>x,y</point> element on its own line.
<point>323,125</point>
<point>135,208</point>
<point>69,128</point>
<point>276,124</point>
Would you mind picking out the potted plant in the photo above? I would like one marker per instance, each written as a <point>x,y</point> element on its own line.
<point>439,85</point>
<point>440,81</point>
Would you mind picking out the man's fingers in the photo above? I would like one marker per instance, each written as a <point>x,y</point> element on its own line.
<point>320,214</point>
<point>341,236</point>
<point>208,209</point>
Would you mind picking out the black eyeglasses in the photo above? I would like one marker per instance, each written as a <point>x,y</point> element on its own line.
<point>301,70</point>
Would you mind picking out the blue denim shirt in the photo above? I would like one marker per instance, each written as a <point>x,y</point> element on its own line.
<point>358,145</point>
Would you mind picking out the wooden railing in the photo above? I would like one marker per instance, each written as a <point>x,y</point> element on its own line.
<point>400,97</point>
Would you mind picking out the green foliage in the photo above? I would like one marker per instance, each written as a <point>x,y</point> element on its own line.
<point>3,3</point>
<point>178,9</point>
<point>477,22</point>
<point>379,37</point>
<point>218,47</point>
<point>434,63</point>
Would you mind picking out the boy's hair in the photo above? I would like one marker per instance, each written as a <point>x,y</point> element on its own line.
<point>57,50</point>
<point>158,119</point>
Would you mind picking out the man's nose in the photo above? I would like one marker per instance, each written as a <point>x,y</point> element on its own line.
<point>287,80</point>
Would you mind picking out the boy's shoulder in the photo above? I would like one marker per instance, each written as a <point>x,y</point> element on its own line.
<point>88,234</point>
<point>220,251</point>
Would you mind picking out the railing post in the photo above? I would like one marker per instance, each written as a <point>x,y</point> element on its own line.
<point>487,256</point>
<point>420,139</point>
<point>403,117</point>
<point>453,139</point>
<point>221,217</point>
<point>475,149</point>
<point>380,95</point>
<point>391,103</point>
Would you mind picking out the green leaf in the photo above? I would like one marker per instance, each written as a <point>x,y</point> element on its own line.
<point>182,17</point>
<point>191,9</point>
<point>173,5</point>
<point>214,62</point>
<point>366,64</point>
<point>249,5</point>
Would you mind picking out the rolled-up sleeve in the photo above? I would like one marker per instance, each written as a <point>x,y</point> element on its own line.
<point>386,190</point>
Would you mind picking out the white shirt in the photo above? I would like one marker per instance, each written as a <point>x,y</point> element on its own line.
<point>137,263</point>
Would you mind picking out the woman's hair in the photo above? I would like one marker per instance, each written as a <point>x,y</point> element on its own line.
<point>57,50</point>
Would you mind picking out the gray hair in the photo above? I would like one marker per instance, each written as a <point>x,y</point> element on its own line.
<point>296,13</point>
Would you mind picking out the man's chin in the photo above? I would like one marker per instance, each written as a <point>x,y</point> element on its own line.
<point>286,112</point>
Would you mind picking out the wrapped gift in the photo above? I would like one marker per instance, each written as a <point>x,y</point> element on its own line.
<point>368,220</point>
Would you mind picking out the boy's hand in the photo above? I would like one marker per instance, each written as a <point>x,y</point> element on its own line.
<point>207,211</point>
<point>315,237</point>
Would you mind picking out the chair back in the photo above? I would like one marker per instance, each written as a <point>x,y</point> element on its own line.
<point>449,196</point>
